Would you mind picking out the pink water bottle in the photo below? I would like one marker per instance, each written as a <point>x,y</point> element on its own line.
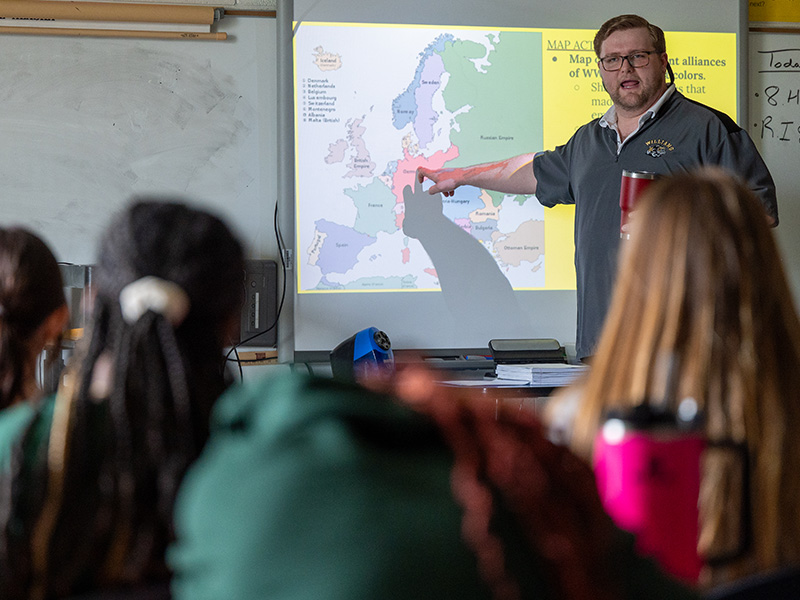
<point>647,466</point>
<point>632,185</point>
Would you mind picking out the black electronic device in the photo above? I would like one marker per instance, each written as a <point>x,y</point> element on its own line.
<point>78,290</point>
<point>520,351</point>
<point>260,304</point>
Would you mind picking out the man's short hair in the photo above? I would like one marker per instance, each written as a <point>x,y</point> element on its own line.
<point>625,22</point>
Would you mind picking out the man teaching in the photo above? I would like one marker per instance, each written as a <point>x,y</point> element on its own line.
<point>651,126</point>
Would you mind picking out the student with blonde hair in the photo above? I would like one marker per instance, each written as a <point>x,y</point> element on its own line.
<point>701,291</point>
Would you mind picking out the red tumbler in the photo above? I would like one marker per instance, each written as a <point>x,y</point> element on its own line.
<point>632,186</point>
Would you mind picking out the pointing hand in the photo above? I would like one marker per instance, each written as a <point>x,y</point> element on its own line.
<point>443,179</point>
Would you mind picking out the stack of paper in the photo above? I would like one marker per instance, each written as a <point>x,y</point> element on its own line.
<point>541,374</point>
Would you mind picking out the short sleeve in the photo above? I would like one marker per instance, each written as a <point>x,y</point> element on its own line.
<point>552,169</point>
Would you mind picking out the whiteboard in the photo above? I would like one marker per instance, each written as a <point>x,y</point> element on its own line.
<point>462,319</point>
<point>774,71</point>
<point>88,122</point>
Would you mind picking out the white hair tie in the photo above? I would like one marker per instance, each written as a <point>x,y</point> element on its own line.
<point>151,293</point>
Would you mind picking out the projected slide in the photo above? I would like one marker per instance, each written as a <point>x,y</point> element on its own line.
<point>375,102</point>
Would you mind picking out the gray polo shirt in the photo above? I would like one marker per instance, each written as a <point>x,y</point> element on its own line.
<point>587,171</point>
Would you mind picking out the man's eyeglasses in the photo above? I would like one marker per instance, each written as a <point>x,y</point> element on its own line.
<point>635,60</point>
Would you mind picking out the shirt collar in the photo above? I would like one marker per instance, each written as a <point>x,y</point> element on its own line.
<point>610,118</point>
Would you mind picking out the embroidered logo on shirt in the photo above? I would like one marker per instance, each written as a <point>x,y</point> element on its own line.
<point>658,148</point>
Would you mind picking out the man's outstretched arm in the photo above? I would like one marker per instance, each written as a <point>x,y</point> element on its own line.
<point>510,176</point>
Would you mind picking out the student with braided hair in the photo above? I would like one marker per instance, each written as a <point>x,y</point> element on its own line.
<point>33,314</point>
<point>90,508</point>
<point>311,488</point>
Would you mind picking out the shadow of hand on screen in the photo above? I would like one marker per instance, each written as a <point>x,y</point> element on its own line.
<point>472,284</point>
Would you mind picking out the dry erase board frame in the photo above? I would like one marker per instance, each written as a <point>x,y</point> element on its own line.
<point>311,326</point>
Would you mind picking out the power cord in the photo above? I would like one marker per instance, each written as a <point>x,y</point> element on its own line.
<point>235,348</point>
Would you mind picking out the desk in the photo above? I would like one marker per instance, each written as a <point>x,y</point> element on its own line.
<point>497,390</point>
<point>483,380</point>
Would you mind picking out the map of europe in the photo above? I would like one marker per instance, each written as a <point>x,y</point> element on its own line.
<point>374,103</point>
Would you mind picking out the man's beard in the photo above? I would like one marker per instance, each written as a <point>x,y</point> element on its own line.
<point>641,100</point>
